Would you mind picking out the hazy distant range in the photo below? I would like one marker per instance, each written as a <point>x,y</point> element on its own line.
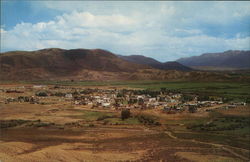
<point>228,60</point>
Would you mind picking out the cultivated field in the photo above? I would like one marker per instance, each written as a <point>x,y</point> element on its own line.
<point>234,90</point>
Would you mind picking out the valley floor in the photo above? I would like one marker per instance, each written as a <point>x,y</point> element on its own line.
<point>66,132</point>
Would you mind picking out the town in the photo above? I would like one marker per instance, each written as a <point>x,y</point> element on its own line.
<point>113,98</point>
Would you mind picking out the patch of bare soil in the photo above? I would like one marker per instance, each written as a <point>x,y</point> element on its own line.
<point>241,110</point>
<point>196,157</point>
<point>93,144</point>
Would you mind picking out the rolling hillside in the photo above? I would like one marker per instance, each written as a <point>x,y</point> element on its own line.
<point>55,63</point>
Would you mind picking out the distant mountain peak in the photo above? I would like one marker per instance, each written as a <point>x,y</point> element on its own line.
<point>236,59</point>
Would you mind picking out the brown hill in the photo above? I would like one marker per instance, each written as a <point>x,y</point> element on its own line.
<point>84,64</point>
<point>56,63</point>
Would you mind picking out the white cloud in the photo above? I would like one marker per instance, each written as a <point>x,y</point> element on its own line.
<point>2,31</point>
<point>88,20</point>
<point>163,30</point>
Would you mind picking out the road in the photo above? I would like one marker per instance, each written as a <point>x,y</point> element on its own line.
<point>223,147</point>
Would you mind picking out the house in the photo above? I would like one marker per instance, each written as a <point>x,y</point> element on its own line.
<point>77,102</point>
<point>140,97</point>
<point>176,96</point>
<point>165,108</point>
<point>152,99</point>
<point>173,100</point>
<point>68,95</point>
<point>39,86</point>
<point>97,97</point>
<point>240,103</point>
<point>231,106</point>
<point>105,104</point>
<point>89,103</point>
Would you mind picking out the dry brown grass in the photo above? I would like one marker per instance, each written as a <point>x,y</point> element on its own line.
<point>241,110</point>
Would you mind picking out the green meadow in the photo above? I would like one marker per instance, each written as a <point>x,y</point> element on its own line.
<point>234,90</point>
<point>237,91</point>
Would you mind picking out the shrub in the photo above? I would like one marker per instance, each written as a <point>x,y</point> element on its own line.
<point>103,117</point>
<point>192,109</point>
<point>125,114</point>
<point>203,98</point>
<point>60,94</point>
<point>148,120</point>
<point>56,86</point>
<point>12,123</point>
<point>42,94</point>
<point>248,100</point>
<point>185,98</point>
<point>41,124</point>
<point>105,122</point>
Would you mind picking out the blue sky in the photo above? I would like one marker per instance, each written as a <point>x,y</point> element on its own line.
<point>164,30</point>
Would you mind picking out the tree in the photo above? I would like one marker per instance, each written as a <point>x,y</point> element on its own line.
<point>125,114</point>
<point>120,94</point>
<point>227,99</point>
<point>132,101</point>
<point>192,109</point>
<point>42,94</point>
<point>163,89</point>
<point>248,100</point>
<point>185,98</point>
<point>203,98</point>
<point>140,101</point>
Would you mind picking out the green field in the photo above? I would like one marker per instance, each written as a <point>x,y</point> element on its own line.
<point>225,89</point>
<point>234,90</point>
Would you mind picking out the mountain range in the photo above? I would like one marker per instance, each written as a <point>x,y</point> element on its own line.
<point>228,60</point>
<point>94,64</point>
<point>171,65</point>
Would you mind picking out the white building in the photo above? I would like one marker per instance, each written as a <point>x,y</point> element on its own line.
<point>69,95</point>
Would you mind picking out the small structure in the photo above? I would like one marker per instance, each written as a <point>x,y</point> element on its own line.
<point>105,104</point>
<point>68,95</point>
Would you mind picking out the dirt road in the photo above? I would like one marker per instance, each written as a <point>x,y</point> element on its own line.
<point>224,147</point>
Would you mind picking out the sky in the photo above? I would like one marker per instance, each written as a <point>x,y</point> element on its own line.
<point>164,30</point>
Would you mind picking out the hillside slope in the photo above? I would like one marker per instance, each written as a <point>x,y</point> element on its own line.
<point>60,63</point>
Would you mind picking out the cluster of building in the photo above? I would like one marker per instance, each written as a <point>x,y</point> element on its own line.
<point>120,99</point>
<point>113,98</point>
